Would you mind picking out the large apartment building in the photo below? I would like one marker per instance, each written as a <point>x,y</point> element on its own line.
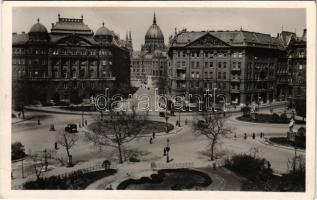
<point>241,65</point>
<point>71,57</point>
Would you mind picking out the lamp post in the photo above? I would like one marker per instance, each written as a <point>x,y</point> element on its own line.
<point>167,148</point>
<point>214,102</point>
<point>179,118</point>
<point>82,115</point>
<point>45,159</point>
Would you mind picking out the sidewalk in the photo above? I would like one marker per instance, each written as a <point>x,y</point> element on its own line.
<point>56,110</point>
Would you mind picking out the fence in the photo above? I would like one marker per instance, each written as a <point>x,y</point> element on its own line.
<point>96,167</point>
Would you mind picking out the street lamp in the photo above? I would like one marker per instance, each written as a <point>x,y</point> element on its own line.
<point>45,159</point>
<point>214,102</point>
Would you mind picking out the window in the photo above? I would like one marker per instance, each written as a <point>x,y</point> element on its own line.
<point>224,75</point>
<point>206,74</point>
<point>240,55</point>
<point>65,85</point>
<point>239,65</point>
<point>225,65</point>
<point>193,65</point>
<point>183,63</point>
<point>197,74</point>
<point>219,75</point>
<point>206,64</point>
<point>193,74</point>
<point>211,64</point>
<point>178,63</point>
<point>210,74</point>
<point>219,64</point>
<point>197,64</point>
<point>184,53</point>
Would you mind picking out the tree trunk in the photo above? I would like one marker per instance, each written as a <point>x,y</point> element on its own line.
<point>212,150</point>
<point>67,150</point>
<point>120,152</point>
<point>22,108</point>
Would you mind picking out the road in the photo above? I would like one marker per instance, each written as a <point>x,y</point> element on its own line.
<point>186,146</point>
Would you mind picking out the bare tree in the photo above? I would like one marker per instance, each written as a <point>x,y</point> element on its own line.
<point>39,164</point>
<point>212,127</point>
<point>67,140</point>
<point>116,129</point>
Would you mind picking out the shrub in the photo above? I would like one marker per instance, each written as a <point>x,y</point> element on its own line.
<point>249,166</point>
<point>246,110</point>
<point>283,116</point>
<point>275,117</point>
<point>17,151</point>
<point>134,159</point>
<point>301,131</point>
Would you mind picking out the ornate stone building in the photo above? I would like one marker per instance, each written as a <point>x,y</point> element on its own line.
<point>69,59</point>
<point>149,64</point>
<point>241,65</point>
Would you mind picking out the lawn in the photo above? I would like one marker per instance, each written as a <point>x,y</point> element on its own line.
<point>269,118</point>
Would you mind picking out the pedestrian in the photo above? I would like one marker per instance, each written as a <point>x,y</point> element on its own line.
<point>153,135</point>
<point>55,146</point>
<point>245,136</point>
<point>186,121</point>
<point>86,122</point>
<point>235,136</point>
<point>261,135</point>
<point>151,140</point>
<point>164,151</point>
<point>38,122</point>
<point>253,136</point>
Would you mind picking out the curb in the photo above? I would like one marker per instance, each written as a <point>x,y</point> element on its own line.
<point>281,146</point>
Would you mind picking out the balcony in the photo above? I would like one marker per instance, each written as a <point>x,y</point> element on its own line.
<point>235,79</point>
<point>180,67</point>
<point>235,90</point>
<point>235,69</point>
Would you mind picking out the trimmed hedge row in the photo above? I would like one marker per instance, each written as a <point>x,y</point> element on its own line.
<point>77,180</point>
<point>160,177</point>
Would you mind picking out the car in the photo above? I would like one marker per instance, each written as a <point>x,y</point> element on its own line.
<point>71,128</point>
<point>162,114</point>
<point>202,124</point>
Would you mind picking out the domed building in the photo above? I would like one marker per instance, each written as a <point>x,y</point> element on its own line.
<point>68,60</point>
<point>38,33</point>
<point>103,34</point>
<point>150,64</point>
<point>154,38</point>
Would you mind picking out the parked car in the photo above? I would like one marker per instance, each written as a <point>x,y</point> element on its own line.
<point>202,124</point>
<point>71,128</point>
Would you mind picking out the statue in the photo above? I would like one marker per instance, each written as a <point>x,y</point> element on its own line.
<point>291,125</point>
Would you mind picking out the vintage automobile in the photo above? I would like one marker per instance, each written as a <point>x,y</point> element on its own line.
<point>71,128</point>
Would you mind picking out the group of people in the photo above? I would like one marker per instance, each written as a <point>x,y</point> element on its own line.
<point>245,136</point>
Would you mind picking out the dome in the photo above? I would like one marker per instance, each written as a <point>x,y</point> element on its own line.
<point>38,28</point>
<point>103,31</point>
<point>154,32</point>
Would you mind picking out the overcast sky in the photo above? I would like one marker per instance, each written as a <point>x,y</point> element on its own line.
<point>139,20</point>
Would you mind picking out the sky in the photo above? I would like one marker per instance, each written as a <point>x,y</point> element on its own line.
<point>138,20</point>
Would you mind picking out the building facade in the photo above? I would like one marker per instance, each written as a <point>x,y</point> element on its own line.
<point>149,64</point>
<point>240,65</point>
<point>71,58</point>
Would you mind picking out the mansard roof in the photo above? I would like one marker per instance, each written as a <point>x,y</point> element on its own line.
<point>19,39</point>
<point>71,25</point>
<point>233,38</point>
